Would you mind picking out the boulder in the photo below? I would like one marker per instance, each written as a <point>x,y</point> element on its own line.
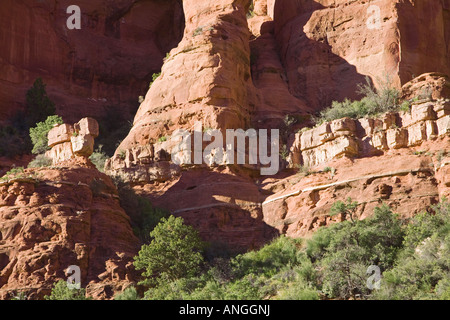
<point>82,145</point>
<point>396,138</point>
<point>59,134</point>
<point>87,126</point>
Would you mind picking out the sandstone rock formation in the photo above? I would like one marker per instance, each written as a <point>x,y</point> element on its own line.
<point>51,219</point>
<point>427,86</point>
<point>297,57</point>
<point>229,71</point>
<point>206,78</point>
<point>409,180</point>
<point>68,142</point>
<point>327,47</point>
<point>109,62</point>
<point>368,137</point>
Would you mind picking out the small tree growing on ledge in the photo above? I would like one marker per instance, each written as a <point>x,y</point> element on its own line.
<point>174,253</point>
<point>39,105</point>
<point>346,208</point>
<point>39,134</point>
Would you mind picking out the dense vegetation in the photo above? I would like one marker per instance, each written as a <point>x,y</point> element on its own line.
<point>143,215</point>
<point>61,291</point>
<point>413,257</point>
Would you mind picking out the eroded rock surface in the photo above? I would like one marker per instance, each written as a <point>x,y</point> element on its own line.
<point>51,219</point>
<point>109,62</point>
<point>409,180</point>
<point>367,137</point>
<point>68,142</point>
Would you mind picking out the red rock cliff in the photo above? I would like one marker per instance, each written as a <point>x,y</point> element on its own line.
<point>109,62</point>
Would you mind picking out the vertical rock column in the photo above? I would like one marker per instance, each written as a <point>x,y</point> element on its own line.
<point>206,78</point>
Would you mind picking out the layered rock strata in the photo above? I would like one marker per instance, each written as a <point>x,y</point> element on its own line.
<point>108,62</point>
<point>370,137</point>
<point>51,219</point>
<point>205,79</point>
<point>67,142</point>
<point>409,180</point>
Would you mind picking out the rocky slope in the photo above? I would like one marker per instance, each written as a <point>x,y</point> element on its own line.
<point>51,219</point>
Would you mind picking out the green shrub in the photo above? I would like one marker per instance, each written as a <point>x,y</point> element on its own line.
<point>15,172</point>
<point>19,296</point>
<point>251,11</point>
<point>345,208</point>
<point>269,259</point>
<point>40,161</point>
<point>426,224</point>
<point>99,158</point>
<point>304,170</point>
<point>211,290</point>
<point>344,109</point>
<point>419,275</point>
<point>334,262</point>
<point>61,291</point>
<point>129,293</point>
<point>174,253</point>
<point>154,77</point>
<point>197,31</point>
<point>144,216</point>
<point>297,290</point>
<point>344,251</point>
<point>162,139</point>
<point>249,287</point>
<point>373,103</point>
<point>14,137</point>
<point>318,245</point>
<point>187,288</point>
<point>39,134</point>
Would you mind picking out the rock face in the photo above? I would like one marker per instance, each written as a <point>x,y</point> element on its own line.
<point>408,180</point>
<point>297,57</point>
<point>68,142</point>
<point>51,219</point>
<point>327,47</point>
<point>427,86</point>
<point>369,137</point>
<point>229,71</point>
<point>206,78</point>
<point>109,62</point>
<point>222,203</point>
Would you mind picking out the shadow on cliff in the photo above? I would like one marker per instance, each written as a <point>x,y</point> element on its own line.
<point>314,73</point>
<point>224,207</point>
